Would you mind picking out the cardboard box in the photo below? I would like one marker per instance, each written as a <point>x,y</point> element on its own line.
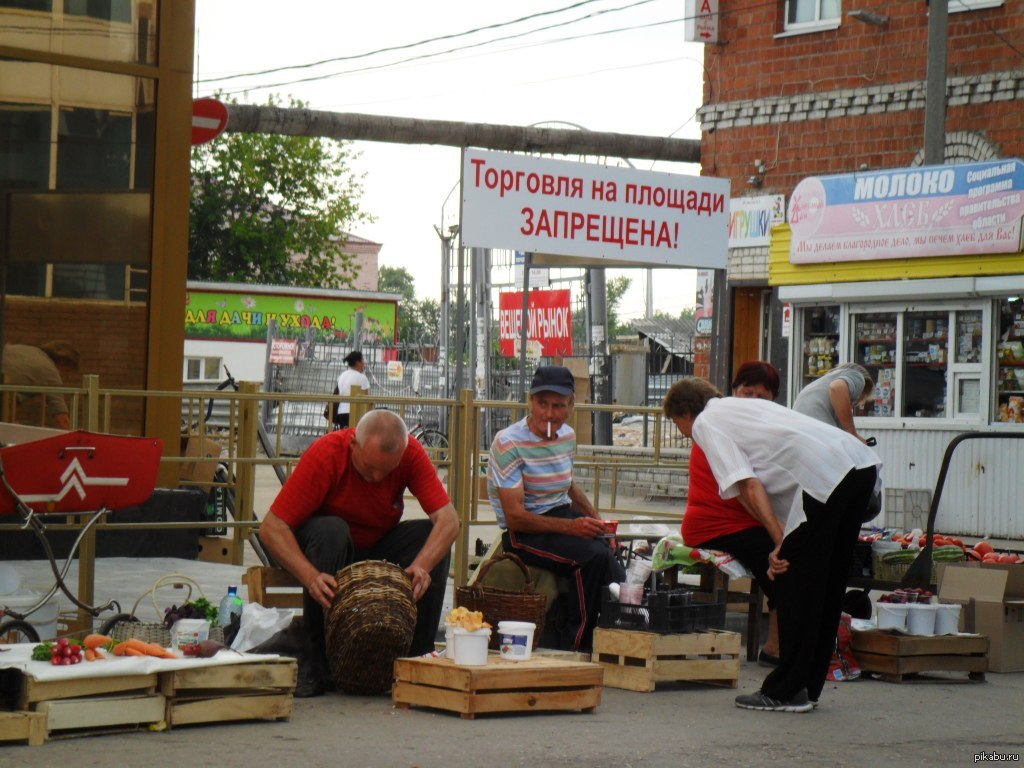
<point>205,455</point>
<point>993,600</point>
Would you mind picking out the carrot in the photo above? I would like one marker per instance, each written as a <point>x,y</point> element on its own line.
<point>92,642</point>
<point>121,648</point>
<point>133,652</point>
<point>155,649</point>
<point>90,654</point>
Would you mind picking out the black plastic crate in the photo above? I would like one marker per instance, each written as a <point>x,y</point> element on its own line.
<point>673,611</point>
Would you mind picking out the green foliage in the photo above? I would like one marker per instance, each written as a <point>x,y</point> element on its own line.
<point>396,280</point>
<point>273,209</point>
<point>418,319</point>
<point>615,289</point>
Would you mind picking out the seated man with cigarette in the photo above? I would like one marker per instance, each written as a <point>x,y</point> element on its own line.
<point>546,519</point>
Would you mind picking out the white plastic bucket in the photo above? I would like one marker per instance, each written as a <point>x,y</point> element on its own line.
<point>921,619</point>
<point>44,620</point>
<point>947,619</point>
<point>516,639</point>
<point>892,616</point>
<point>471,647</point>
<point>631,594</point>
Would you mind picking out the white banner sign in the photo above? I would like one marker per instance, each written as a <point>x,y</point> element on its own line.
<point>593,211</point>
<point>751,219</point>
<point>701,21</point>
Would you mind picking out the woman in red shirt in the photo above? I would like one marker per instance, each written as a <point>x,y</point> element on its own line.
<point>712,522</point>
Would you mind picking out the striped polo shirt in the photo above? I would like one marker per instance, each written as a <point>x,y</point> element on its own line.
<point>542,467</point>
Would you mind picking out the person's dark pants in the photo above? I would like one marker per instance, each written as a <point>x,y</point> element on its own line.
<point>751,547</point>
<point>589,564</point>
<point>327,543</point>
<point>809,595</point>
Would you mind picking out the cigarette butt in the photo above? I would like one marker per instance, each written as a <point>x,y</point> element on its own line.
<point>549,429</point>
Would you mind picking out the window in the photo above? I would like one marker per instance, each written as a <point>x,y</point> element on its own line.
<point>202,368</point>
<point>958,6</point>
<point>812,13</point>
<point>24,146</point>
<point>108,10</point>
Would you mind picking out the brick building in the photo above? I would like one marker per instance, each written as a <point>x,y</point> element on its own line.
<point>824,103</point>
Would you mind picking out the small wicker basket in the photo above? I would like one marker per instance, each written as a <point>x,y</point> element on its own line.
<point>504,604</point>
<point>128,626</point>
<point>369,625</point>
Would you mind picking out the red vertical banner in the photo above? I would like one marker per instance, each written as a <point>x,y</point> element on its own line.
<point>550,323</point>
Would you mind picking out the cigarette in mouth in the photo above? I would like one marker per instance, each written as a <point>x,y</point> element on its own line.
<point>549,429</point>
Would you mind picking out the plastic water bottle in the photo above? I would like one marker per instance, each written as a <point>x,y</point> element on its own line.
<point>230,605</point>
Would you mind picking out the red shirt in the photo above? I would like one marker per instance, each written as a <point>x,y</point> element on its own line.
<point>326,483</point>
<point>708,515</point>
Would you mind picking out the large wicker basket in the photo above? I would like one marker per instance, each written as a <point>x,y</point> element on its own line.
<point>369,625</point>
<point>503,604</point>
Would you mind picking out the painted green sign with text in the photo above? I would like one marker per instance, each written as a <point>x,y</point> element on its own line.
<point>245,316</point>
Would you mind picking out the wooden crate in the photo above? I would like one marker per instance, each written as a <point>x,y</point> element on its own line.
<point>536,685</point>
<point>891,656</point>
<point>29,727</point>
<point>638,661</point>
<point>260,690</point>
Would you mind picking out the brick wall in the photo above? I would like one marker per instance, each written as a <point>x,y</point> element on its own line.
<point>111,339</point>
<point>832,102</point>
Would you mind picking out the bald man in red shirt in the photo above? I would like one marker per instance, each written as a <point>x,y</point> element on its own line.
<point>344,503</point>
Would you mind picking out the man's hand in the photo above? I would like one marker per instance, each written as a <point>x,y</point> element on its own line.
<point>322,588</point>
<point>420,580</point>
<point>586,527</point>
<point>776,565</point>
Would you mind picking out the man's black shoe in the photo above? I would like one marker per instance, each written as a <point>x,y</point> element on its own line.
<point>311,680</point>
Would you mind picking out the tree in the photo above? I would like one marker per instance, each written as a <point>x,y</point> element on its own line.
<point>615,289</point>
<point>396,280</point>
<point>273,209</point>
<point>419,320</point>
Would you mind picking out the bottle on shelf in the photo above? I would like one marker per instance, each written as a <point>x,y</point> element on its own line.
<point>230,605</point>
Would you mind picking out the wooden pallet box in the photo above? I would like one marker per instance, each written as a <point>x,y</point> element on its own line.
<point>892,656</point>
<point>260,690</point>
<point>638,661</point>
<point>29,727</point>
<point>536,685</point>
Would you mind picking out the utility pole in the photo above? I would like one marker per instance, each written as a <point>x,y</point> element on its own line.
<point>602,394</point>
<point>935,86</point>
<point>248,118</point>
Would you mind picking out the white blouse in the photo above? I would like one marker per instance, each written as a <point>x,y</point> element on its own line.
<point>788,452</point>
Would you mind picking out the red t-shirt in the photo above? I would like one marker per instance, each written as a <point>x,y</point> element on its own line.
<point>708,515</point>
<point>326,483</point>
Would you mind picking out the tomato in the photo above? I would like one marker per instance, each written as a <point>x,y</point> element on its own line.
<point>1007,558</point>
<point>990,557</point>
<point>958,542</point>
<point>983,548</point>
<point>972,554</point>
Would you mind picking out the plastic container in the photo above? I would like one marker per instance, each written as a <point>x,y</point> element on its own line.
<point>892,616</point>
<point>516,639</point>
<point>470,647</point>
<point>947,618</point>
<point>672,611</point>
<point>44,620</point>
<point>631,594</point>
<point>186,632</point>
<point>921,619</point>
<point>230,605</point>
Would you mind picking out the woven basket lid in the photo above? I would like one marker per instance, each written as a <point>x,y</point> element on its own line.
<point>369,624</point>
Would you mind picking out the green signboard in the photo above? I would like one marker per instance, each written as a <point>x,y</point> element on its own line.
<point>245,316</point>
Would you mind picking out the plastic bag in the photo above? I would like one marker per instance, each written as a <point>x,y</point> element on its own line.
<point>844,666</point>
<point>260,624</point>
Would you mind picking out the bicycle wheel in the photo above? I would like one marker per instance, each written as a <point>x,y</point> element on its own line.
<point>435,442</point>
<point>16,631</point>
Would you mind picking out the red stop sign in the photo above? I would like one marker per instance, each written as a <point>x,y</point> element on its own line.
<point>209,119</point>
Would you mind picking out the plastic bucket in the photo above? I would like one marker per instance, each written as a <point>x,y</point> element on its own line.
<point>187,632</point>
<point>44,620</point>
<point>947,619</point>
<point>471,647</point>
<point>921,619</point>
<point>892,615</point>
<point>516,639</point>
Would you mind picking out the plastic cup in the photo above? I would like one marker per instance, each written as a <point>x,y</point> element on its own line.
<point>516,639</point>
<point>471,647</point>
<point>611,526</point>
<point>631,594</point>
